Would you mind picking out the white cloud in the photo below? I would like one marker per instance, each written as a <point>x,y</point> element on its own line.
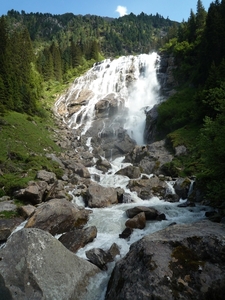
<point>122,10</point>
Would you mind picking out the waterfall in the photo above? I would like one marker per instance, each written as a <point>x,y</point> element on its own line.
<point>114,94</point>
<point>131,79</point>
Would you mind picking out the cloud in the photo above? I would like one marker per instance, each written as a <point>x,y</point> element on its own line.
<point>122,10</point>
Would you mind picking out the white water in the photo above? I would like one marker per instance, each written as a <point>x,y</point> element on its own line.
<point>103,79</point>
<point>131,78</point>
<point>110,222</point>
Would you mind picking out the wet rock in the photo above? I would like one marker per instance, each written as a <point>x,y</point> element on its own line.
<point>130,171</point>
<point>99,257</point>
<point>99,196</point>
<point>57,216</point>
<point>150,212</point>
<point>180,262</point>
<point>103,165</point>
<point>147,188</point>
<point>126,233</point>
<point>114,250</point>
<point>7,226</point>
<point>182,186</point>
<point>35,265</point>
<point>138,221</point>
<point>78,238</point>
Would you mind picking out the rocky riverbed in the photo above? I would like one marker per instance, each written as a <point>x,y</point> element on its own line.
<point>50,252</point>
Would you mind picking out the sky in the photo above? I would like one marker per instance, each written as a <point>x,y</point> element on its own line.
<point>175,10</point>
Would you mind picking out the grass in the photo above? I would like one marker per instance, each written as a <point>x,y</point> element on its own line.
<point>24,143</point>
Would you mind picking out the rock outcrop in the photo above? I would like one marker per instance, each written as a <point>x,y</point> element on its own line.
<point>179,262</point>
<point>35,265</point>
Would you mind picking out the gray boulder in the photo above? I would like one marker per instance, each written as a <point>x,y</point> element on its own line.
<point>33,193</point>
<point>130,171</point>
<point>35,265</point>
<point>49,177</point>
<point>147,188</point>
<point>180,262</point>
<point>57,216</point>
<point>99,196</point>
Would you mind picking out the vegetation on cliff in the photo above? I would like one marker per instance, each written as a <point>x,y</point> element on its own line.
<point>199,51</point>
<point>41,53</point>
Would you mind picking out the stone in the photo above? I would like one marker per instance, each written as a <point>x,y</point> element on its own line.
<point>150,212</point>
<point>138,221</point>
<point>185,261</point>
<point>99,257</point>
<point>7,226</point>
<point>57,216</point>
<point>26,210</point>
<point>126,233</point>
<point>78,238</point>
<point>49,177</point>
<point>130,171</point>
<point>99,196</point>
<point>35,265</point>
<point>34,193</point>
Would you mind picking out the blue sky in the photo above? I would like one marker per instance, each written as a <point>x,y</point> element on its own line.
<point>176,10</point>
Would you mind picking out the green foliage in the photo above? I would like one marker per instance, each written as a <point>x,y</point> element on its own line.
<point>24,143</point>
<point>177,112</point>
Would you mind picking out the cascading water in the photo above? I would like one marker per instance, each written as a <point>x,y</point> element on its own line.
<point>133,82</point>
<point>132,79</point>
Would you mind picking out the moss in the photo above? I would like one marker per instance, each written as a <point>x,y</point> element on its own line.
<point>8,214</point>
<point>186,258</point>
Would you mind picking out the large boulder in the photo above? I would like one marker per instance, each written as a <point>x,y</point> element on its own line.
<point>99,196</point>
<point>147,188</point>
<point>35,265</point>
<point>182,186</point>
<point>130,171</point>
<point>33,193</point>
<point>57,216</point>
<point>180,262</point>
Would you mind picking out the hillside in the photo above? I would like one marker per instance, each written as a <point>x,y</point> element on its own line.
<point>42,53</point>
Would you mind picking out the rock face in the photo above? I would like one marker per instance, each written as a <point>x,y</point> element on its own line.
<point>179,262</point>
<point>35,265</point>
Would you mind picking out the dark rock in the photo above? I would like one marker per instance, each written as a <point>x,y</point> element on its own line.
<point>7,226</point>
<point>181,187</point>
<point>179,262</point>
<point>114,250</point>
<point>126,233</point>
<point>150,212</point>
<point>99,257</point>
<point>78,238</point>
<point>138,221</point>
